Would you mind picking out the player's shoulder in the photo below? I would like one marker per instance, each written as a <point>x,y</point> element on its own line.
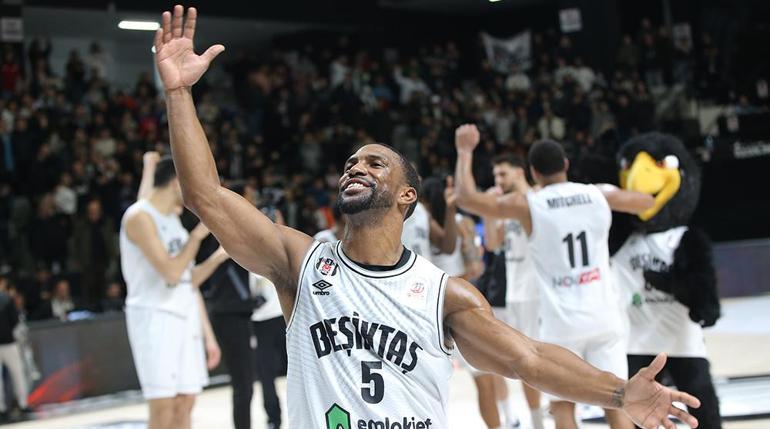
<point>137,218</point>
<point>426,267</point>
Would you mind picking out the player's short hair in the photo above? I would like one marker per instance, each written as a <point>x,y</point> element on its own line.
<point>411,176</point>
<point>164,172</point>
<point>510,159</point>
<point>547,157</point>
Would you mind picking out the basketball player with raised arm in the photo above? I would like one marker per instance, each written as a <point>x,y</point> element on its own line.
<point>568,226</point>
<point>521,309</point>
<point>370,325</point>
<point>168,327</point>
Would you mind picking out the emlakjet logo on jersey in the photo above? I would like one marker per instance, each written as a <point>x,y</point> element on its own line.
<point>581,279</point>
<point>348,333</point>
<point>338,418</point>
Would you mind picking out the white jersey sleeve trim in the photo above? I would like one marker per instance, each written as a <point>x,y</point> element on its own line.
<point>305,262</point>
<point>440,315</point>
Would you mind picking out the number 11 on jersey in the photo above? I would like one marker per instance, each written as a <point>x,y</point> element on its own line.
<point>570,241</point>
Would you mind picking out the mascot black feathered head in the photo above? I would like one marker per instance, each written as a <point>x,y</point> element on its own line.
<point>659,164</point>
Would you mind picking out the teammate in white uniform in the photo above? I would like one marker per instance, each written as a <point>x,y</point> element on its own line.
<point>568,226</point>
<point>465,260</point>
<point>424,235</point>
<point>371,324</point>
<point>165,316</point>
<point>521,292</point>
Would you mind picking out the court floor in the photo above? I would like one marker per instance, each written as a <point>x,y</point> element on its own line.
<point>739,346</point>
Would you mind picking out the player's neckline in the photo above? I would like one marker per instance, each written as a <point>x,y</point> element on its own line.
<point>406,262</point>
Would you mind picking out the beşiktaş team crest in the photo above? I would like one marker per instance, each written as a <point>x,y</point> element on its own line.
<point>327,266</point>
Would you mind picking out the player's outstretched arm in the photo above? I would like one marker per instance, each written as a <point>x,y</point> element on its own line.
<point>142,231</point>
<point>204,270</point>
<point>632,202</point>
<point>513,205</point>
<point>490,345</point>
<point>249,237</point>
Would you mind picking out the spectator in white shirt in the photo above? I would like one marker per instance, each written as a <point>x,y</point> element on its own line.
<point>551,126</point>
<point>410,84</point>
<point>64,197</point>
<point>517,80</point>
<point>584,76</point>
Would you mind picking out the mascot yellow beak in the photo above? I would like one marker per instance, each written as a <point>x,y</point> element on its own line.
<point>661,179</point>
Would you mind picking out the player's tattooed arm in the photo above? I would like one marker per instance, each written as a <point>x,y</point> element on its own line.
<point>617,397</point>
<point>252,239</point>
<point>492,346</point>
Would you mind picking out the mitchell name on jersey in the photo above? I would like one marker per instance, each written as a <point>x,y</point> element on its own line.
<point>365,344</point>
<point>569,201</point>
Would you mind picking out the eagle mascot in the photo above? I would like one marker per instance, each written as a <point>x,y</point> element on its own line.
<point>665,269</point>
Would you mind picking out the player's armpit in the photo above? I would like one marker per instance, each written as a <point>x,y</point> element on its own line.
<point>485,342</point>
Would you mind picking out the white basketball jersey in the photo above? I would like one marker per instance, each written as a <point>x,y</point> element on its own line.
<point>520,283</point>
<point>263,287</point>
<point>452,263</point>
<point>145,286</point>
<point>659,323</point>
<point>366,348</point>
<point>568,244</point>
<point>416,232</point>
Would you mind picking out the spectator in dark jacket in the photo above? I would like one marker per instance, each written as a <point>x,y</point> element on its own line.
<point>94,252</point>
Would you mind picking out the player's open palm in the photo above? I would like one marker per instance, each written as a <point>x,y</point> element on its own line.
<point>649,404</point>
<point>177,63</point>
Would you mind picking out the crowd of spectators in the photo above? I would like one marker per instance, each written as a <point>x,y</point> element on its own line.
<point>72,143</point>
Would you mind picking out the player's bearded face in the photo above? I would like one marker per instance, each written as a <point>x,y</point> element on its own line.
<point>358,198</point>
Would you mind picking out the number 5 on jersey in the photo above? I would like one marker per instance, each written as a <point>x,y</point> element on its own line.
<point>372,383</point>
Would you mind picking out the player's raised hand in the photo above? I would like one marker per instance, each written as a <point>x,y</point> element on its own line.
<point>649,404</point>
<point>466,138</point>
<point>150,159</point>
<point>177,63</point>
<point>450,197</point>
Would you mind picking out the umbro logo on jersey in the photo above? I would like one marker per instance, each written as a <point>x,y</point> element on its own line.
<point>321,285</point>
<point>327,266</point>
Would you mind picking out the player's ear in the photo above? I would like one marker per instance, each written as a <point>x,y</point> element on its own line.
<point>407,196</point>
